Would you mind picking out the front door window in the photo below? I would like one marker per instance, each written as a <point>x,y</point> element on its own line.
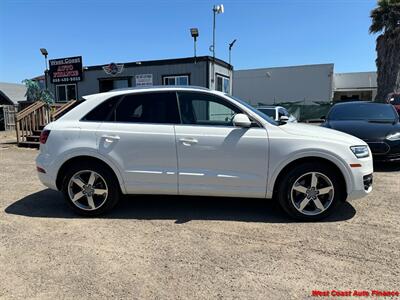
<point>205,109</point>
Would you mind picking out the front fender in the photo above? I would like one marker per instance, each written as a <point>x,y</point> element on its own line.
<point>301,154</point>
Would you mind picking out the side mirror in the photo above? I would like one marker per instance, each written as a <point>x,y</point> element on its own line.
<point>323,118</point>
<point>241,120</point>
<point>283,119</point>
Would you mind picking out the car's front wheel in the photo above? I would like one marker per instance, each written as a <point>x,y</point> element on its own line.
<point>311,191</point>
<point>90,189</point>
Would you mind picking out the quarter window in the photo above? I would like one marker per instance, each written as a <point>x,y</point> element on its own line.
<point>176,80</point>
<point>103,111</point>
<point>204,109</point>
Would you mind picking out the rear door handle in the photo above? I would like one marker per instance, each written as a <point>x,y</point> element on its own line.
<point>188,141</point>
<point>110,138</point>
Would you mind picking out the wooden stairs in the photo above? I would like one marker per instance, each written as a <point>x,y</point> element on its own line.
<point>31,121</point>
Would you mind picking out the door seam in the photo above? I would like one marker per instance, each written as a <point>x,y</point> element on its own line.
<point>177,161</point>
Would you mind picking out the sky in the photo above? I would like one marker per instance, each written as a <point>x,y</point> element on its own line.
<point>269,33</point>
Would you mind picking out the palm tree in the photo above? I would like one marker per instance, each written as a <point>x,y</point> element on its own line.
<point>386,21</point>
<point>35,93</point>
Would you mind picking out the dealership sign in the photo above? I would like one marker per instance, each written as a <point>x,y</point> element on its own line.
<point>113,69</point>
<point>144,79</point>
<point>66,70</point>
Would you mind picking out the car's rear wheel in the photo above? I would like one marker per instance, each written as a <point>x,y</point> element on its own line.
<point>311,191</point>
<point>90,189</point>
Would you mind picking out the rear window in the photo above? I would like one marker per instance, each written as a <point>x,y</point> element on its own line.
<point>362,111</point>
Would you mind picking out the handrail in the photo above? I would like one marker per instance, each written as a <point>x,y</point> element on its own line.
<point>28,107</point>
<point>31,108</point>
<point>30,120</point>
<point>59,112</point>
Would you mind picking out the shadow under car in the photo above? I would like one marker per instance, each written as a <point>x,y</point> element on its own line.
<point>50,204</point>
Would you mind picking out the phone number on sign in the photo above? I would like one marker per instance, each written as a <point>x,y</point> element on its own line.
<point>355,293</point>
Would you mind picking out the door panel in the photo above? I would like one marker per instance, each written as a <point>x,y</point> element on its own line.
<point>222,160</point>
<point>139,137</point>
<point>145,154</point>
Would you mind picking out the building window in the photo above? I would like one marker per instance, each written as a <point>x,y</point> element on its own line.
<point>106,85</point>
<point>66,92</point>
<point>223,84</point>
<point>176,80</point>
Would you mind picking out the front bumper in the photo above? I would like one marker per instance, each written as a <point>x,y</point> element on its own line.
<point>362,179</point>
<point>385,150</point>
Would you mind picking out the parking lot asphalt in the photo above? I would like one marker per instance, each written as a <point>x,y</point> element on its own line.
<point>188,247</point>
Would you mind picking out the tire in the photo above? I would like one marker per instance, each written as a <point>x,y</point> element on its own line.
<point>301,201</point>
<point>91,200</point>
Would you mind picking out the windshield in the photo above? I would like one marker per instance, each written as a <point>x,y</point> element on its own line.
<point>256,111</point>
<point>362,111</point>
<point>270,112</point>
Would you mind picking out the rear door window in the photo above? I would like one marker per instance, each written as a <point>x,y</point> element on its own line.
<point>159,108</point>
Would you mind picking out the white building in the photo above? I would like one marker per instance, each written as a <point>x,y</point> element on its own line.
<point>304,84</point>
<point>360,86</point>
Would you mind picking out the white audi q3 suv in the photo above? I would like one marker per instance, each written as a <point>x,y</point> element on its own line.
<point>194,141</point>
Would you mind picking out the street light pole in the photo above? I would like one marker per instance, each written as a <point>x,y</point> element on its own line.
<point>195,34</point>
<point>217,9</point>
<point>45,53</point>
<point>230,49</point>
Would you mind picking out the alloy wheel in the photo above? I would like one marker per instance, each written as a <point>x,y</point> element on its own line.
<point>87,190</point>
<point>312,193</point>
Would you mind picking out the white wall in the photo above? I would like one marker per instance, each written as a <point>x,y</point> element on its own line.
<point>284,84</point>
<point>357,80</point>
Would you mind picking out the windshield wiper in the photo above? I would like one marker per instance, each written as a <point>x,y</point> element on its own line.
<point>381,121</point>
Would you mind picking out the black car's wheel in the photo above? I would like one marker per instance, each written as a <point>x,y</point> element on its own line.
<point>311,191</point>
<point>90,189</point>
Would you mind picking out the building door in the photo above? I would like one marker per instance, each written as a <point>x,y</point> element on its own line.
<point>106,85</point>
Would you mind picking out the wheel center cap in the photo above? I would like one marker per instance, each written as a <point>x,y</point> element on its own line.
<point>312,193</point>
<point>88,190</point>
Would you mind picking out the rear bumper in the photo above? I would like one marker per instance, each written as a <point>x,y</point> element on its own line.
<point>47,181</point>
<point>48,178</point>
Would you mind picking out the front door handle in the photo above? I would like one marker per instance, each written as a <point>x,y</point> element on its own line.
<point>188,141</point>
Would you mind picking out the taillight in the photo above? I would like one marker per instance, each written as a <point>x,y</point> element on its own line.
<point>43,136</point>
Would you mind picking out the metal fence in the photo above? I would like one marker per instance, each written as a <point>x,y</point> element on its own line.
<point>304,112</point>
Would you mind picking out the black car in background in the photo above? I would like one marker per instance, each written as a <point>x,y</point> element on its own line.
<point>375,123</point>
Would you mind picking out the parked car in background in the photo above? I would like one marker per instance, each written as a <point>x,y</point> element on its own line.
<point>394,99</point>
<point>277,112</point>
<point>375,123</point>
<point>193,141</point>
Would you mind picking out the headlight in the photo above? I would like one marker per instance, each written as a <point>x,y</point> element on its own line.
<point>395,136</point>
<point>360,151</point>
